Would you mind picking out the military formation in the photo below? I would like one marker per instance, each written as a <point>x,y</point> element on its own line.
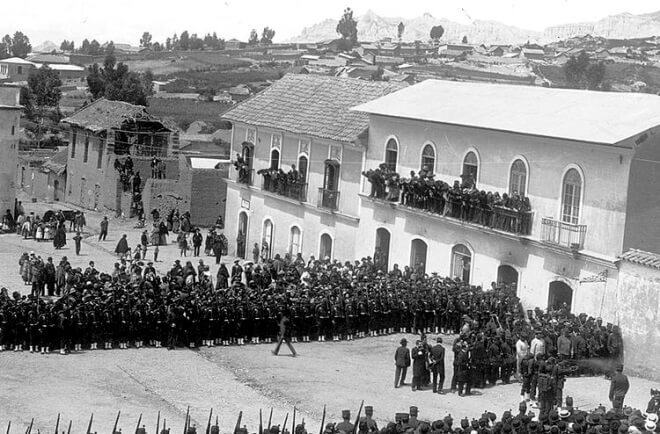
<point>462,200</point>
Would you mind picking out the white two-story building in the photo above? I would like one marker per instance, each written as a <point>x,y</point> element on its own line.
<point>301,120</point>
<point>587,161</point>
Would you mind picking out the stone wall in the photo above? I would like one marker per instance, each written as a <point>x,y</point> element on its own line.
<point>208,196</point>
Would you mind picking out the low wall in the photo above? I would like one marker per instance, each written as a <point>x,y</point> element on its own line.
<point>208,196</point>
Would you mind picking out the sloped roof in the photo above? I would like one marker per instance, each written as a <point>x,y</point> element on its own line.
<point>313,105</point>
<point>17,61</point>
<point>57,163</point>
<point>103,115</point>
<point>580,115</point>
<point>642,258</point>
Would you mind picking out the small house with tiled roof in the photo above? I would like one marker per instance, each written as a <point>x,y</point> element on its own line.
<point>104,132</point>
<point>301,121</point>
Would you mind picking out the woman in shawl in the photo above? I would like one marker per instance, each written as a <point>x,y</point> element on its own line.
<point>122,247</point>
<point>162,234</point>
<point>59,240</point>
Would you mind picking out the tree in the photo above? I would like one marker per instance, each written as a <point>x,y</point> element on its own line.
<point>84,48</point>
<point>437,32</point>
<point>20,45</point>
<point>109,49</point>
<point>464,40</point>
<point>400,29</point>
<point>168,44</point>
<point>347,28</point>
<point>157,47</point>
<point>41,99</point>
<point>581,73</point>
<point>184,40</point>
<point>114,81</point>
<point>145,40</point>
<point>5,47</point>
<point>254,37</point>
<point>67,46</point>
<point>267,36</point>
<point>94,48</point>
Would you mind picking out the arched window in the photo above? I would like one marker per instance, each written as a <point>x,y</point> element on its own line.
<point>295,241</point>
<point>274,159</point>
<point>267,240</point>
<point>382,249</point>
<point>418,250</point>
<point>428,159</point>
<point>303,163</point>
<point>241,236</point>
<point>470,168</point>
<point>325,250</point>
<point>391,154</point>
<point>461,263</point>
<point>571,195</point>
<point>518,178</point>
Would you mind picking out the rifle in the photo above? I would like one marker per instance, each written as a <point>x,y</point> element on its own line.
<point>238,422</point>
<point>322,420</point>
<point>138,424</point>
<point>293,424</point>
<point>357,418</point>
<point>89,426</point>
<point>8,426</point>
<point>261,423</point>
<point>208,424</point>
<point>270,418</point>
<point>68,431</point>
<point>57,424</point>
<point>158,423</point>
<point>29,430</point>
<point>114,429</point>
<point>286,418</point>
<point>185,425</point>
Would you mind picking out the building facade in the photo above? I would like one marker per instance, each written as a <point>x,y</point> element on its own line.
<point>10,115</point>
<point>586,168</point>
<point>302,121</point>
<point>105,132</point>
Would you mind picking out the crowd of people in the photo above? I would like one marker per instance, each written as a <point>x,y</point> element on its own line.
<point>290,184</point>
<point>323,299</point>
<point>462,200</point>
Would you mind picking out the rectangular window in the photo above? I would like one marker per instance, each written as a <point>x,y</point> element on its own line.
<point>20,70</point>
<point>74,136</point>
<point>99,161</point>
<point>3,69</point>
<point>86,153</point>
<point>13,130</point>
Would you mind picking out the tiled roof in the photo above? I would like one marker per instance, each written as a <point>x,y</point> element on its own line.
<point>313,105</point>
<point>103,115</point>
<point>642,258</point>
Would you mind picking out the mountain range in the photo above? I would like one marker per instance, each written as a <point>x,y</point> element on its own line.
<point>372,27</point>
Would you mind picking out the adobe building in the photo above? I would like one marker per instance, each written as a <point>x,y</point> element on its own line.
<point>10,115</point>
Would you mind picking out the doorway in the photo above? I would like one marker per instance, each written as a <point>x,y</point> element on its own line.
<point>241,236</point>
<point>558,294</point>
<point>325,250</point>
<point>418,249</point>
<point>382,249</point>
<point>507,276</point>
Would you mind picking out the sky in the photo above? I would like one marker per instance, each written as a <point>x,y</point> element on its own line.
<point>124,21</point>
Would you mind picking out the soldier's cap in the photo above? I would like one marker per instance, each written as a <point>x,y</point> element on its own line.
<point>465,423</point>
<point>564,413</point>
<point>368,408</point>
<point>438,340</point>
<point>345,413</point>
<point>413,410</point>
<point>236,261</point>
<point>474,424</point>
<point>403,341</point>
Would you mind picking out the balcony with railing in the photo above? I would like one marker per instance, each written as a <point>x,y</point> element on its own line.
<point>284,187</point>
<point>328,199</point>
<point>563,234</point>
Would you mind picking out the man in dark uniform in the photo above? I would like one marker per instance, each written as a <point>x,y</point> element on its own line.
<point>462,364</point>
<point>402,361</point>
<point>345,426</point>
<point>419,365</point>
<point>619,386</point>
<point>438,365</point>
<point>371,424</point>
<point>284,336</point>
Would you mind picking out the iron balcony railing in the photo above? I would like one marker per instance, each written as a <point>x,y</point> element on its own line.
<point>328,199</point>
<point>292,190</point>
<point>563,234</point>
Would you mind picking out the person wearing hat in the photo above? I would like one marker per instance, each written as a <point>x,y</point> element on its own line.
<point>104,229</point>
<point>236,272</point>
<point>619,386</point>
<point>345,426</point>
<point>402,362</point>
<point>437,354</point>
<point>197,239</point>
<point>367,422</point>
<point>413,422</point>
